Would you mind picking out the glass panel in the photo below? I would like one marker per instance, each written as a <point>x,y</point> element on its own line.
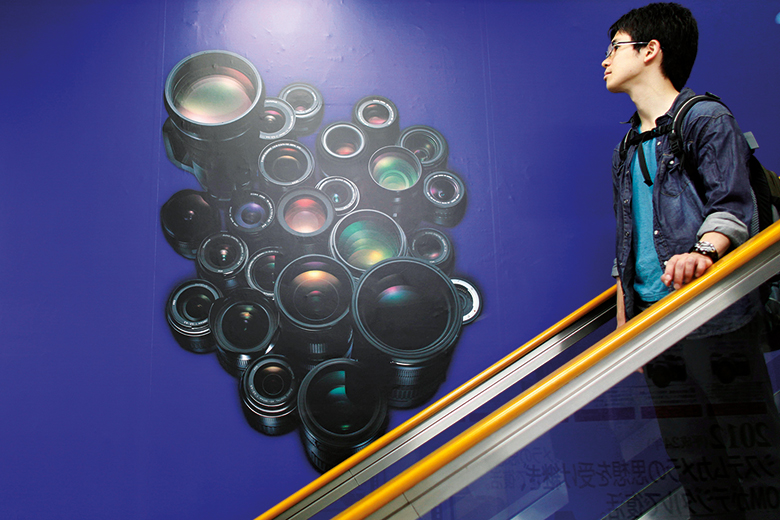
<point>713,399</point>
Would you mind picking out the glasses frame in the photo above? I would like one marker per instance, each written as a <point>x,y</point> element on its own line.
<point>614,45</point>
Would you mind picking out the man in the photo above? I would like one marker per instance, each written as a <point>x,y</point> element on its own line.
<point>672,225</point>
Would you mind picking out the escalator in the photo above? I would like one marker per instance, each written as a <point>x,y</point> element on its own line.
<point>540,454</point>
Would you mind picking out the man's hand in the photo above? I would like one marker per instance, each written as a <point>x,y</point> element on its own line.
<point>684,268</point>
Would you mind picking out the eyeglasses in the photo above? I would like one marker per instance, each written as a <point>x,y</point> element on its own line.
<point>614,45</point>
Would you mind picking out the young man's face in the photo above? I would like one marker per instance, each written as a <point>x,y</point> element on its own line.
<point>622,65</point>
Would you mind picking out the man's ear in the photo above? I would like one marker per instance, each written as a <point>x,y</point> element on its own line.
<point>651,51</point>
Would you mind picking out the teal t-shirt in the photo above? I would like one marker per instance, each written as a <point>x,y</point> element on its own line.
<point>647,284</point>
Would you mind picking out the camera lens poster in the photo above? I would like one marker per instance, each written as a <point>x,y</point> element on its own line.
<point>246,239</point>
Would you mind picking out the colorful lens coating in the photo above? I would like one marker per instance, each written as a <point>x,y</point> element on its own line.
<point>245,325</point>
<point>333,408</point>
<point>343,141</point>
<point>301,100</point>
<point>272,121</point>
<point>285,164</point>
<point>364,243</point>
<point>393,172</point>
<point>264,271</point>
<point>305,215</point>
<point>443,189</point>
<point>272,380</point>
<point>376,114</point>
<point>222,255</point>
<point>316,295</point>
<point>222,96</point>
<point>252,215</point>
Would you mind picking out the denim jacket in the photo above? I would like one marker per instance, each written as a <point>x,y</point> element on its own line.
<point>684,208</point>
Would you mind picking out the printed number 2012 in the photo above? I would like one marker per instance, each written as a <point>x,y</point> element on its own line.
<point>747,435</point>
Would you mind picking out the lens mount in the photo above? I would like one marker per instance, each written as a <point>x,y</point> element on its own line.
<point>341,410</point>
<point>245,325</point>
<point>378,117</point>
<point>470,299</point>
<point>308,104</point>
<point>364,238</point>
<point>269,395</point>
<point>285,164</point>
<point>211,94</point>
<point>277,120</point>
<point>427,144</point>
<point>263,268</point>
<point>187,312</point>
<point>187,218</point>
<point>432,246</point>
<point>342,192</point>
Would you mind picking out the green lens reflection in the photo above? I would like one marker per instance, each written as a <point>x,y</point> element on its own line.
<point>363,244</point>
<point>394,173</point>
<point>216,98</point>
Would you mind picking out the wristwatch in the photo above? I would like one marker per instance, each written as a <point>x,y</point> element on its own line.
<point>706,249</point>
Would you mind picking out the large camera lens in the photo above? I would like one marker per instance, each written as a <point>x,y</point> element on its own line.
<point>378,117</point>
<point>269,395</point>
<point>364,238</point>
<point>213,99</point>
<point>342,411</point>
<point>470,299</point>
<point>251,216</point>
<point>308,104</point>
<point>428,145</point>
<point>408,312</point>
<point>396,172</point>
<point>306,216</point>
<point>220,260</point>
<point>263,269</point>
<point>187,218</point>
<point>313,294</point>
<point>277,120</point>
<point>285,164</point>
<point>342,192</point>
<point>342,149</point>
<point>187,312</point>
<point>445,194</point>
<point>434,247</point>
<point>245,326</point>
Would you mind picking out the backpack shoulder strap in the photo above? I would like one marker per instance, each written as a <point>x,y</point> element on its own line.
<point>676,135</point>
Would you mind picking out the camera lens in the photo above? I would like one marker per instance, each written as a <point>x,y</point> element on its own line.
<point>269,395</point>
<point>470,299</point>
<point>187,312</point>
<point>342,192</point>
<point>408,312</point>
<point>276,121</point>
<point>378,117</point>
<point>396,172</point>
<point>342,149</point>
<point>342,411</point>
<point>306,217</point>
<point>434,247</point>
<point>313,295</point>
<point>428,145</point>
<point>263,269</point>
<point>445,194</point>
<point>245,326</point>
<point>285,164</point>
<point>187,218</point>
<point>220,260</point>
<point>366,237</point>
<point>308,104</point>
<point>251,215</point>
<point>214,99</point>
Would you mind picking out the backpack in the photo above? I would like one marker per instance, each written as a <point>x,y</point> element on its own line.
<point>764,183</point>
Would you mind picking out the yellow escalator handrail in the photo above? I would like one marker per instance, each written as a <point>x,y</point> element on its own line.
<point>564,375</point>
<point>437,407</point>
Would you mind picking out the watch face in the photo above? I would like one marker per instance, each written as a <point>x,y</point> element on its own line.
<point>706,249</point>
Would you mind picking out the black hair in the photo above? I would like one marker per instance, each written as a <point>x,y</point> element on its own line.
<point>674,27</point>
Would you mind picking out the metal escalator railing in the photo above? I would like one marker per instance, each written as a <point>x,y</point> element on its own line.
<point>522,420</point>
<point>445,412</point>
